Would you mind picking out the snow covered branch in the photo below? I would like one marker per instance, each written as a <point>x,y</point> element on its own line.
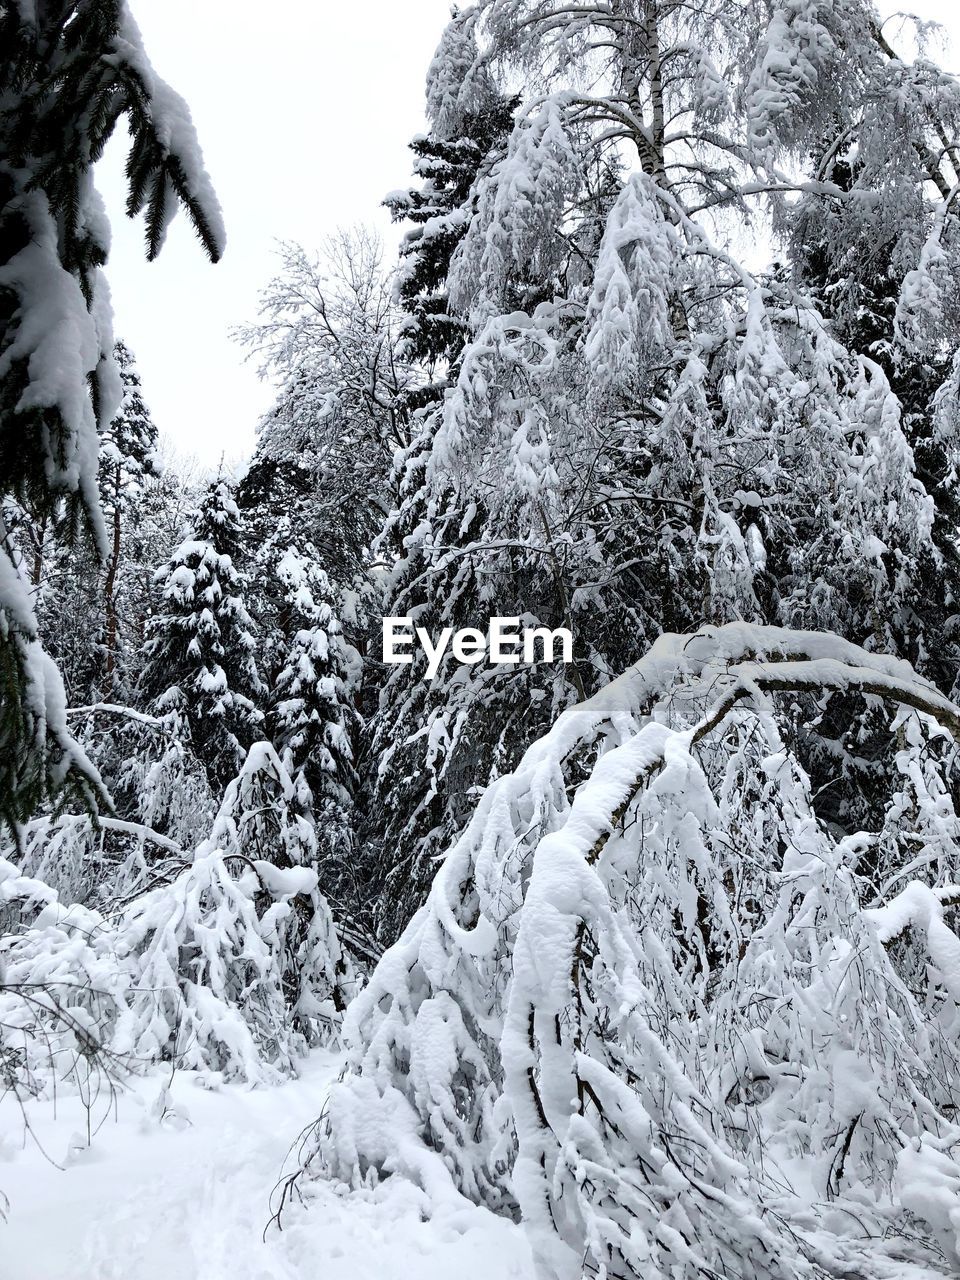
<point>574,957</point>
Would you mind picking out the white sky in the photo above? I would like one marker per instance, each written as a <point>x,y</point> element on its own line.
<point>304,111</point>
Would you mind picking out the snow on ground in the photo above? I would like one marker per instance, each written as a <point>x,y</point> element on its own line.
<point>154,1199</point>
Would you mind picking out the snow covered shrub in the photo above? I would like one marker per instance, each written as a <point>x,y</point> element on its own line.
<point>162,805</point>
<point>649,984</point>
<point>230,963</point>
<point>237,960</point>
<point>58,852</point>
<point>207,992</point>
<point>21,896</point>
<point>62,990</point>
<point>158,779</point>
<point>268,817</point>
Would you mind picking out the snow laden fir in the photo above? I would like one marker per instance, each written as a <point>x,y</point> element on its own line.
<point>651,954</point>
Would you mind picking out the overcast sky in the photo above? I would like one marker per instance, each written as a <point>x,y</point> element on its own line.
<point>304,111</point>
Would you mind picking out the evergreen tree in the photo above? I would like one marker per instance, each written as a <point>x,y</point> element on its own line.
<point>86,605</point>
<point>199,655</point>
<point>68,74</point>
<point>316,724</point>
<point>471,120</point>
<point>127,457</point>
<point>405,822</point>
<point>311,674</point>
<point>313,718</point>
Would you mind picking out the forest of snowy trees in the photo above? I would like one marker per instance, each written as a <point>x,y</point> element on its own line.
<point>655,952</point>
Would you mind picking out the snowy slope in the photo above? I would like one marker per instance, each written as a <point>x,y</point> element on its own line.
<point>154,1199</point>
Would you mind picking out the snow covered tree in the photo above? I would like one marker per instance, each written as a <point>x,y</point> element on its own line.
<point>168,503</point>
<point>42,762</point>
<point>69,74</point>
<point>329,329</point>
<point>403,824</point>
<point>127,456</point>
<point>648,980</point>
<point>470,123</point>
<point>67,591</point>
<point>269,820</point>
<point>315,723</point>
<point>857,246</point>
<point>207,993</point>
<point>644,432</point>
<point>199,656</point>
<point>874,225</point>
<point>312,715</point>
<point>328,332</point>
<point>62,994</point>
<point>310,665</point>
<point>238,962</point>
<point>433,753</point>
<point>224,959</point>
<point>91,611</point>
<point>162,797</point>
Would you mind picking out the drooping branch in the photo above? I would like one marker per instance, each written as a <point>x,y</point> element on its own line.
<point>798,675</point>
<point>736,660</point>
